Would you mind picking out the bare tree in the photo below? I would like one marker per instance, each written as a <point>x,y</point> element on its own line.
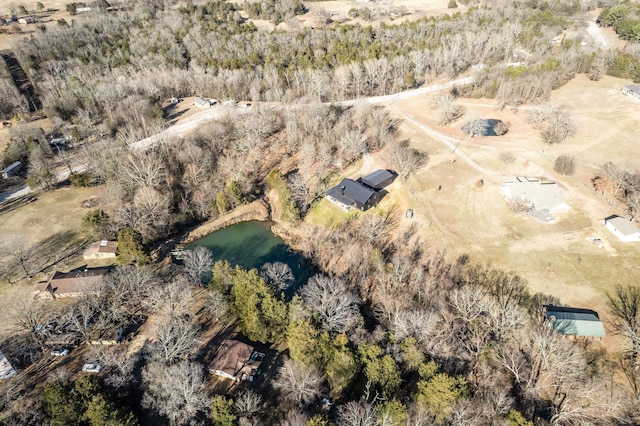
<point>174,340</point>
<point>176,392</point>
<point>216,305</point>
<point>173,299</point>
<point>357,414</point>
<point>449,110</point>
<point>198,263</point>
<point>120,364</point>
<point>298,382</point>
<point>335,304</point>
<point>278,274</point>
<point>20,250</point>
<point>507,158</point>
<point>565,164</point>
<point>624,305</point>
<point>248,404</point>
<point>406,159</point>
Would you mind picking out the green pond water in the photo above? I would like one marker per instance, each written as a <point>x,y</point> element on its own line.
<point>252,244</point>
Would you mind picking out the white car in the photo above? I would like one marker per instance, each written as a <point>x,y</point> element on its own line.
<point>91,368</point>
<point>61,352</point>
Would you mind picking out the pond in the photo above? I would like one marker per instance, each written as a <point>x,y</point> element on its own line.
<point>252,244</point>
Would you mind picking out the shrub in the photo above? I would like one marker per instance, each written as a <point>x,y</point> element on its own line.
<point>565,164</point>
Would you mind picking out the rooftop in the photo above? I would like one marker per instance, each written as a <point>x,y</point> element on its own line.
<point>379,179</point>
<point>349,191</point>
<point>623,225</point>
<point>545,195</point>
<point>234,357</point>
<point>574,321</point>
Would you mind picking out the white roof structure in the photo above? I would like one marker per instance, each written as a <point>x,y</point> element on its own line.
<point>543,195</point>
<point>6,369</point>
<point>623,229</point>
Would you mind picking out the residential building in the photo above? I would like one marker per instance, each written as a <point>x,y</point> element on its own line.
<point>11,170</point>
<point>350,193</point>
<point>236,361</point>
<point>574,322</point>
<point>70,284</point>
<point>625,230</point>
<point>379,179</point>
<point>101,250</point>
<point>542,195</point>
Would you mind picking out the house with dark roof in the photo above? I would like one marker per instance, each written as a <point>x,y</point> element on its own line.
<point>632,90</point>
<point>379,179</point>
<point>236,361</point>
<point>70,284</point>
<point>363,193</point>
<point>350,193</point>
<point>625,230</point>
<point>574,322</point>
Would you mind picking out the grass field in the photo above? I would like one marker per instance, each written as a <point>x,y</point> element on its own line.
<point>466,218</point>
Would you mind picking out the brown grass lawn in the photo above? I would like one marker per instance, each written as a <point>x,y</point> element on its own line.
<point>466,218</point>
<point>53,224</point>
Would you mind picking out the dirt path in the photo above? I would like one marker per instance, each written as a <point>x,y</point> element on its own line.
<point>451,143</point>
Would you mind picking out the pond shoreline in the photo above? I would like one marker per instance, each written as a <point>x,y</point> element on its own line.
<point>256,210</point>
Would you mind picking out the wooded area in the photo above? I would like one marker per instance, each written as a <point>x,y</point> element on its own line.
<point>387,331</point>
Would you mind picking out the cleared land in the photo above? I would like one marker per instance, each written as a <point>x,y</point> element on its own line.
<point>465,216</point>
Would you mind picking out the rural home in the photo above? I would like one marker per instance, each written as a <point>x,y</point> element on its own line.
<point>70,284</point>
<point>236,361</point>
<point>101,250</point>
<point>574,322</point>
<point>626,231</point>
<point>542,195</point>
<point>11,170</point>
<point>202,102</point>
<point>6,369</point>
<point>379,179</point>
<point>363,193</point>
<point>26,20</point>
<point>632,90</point>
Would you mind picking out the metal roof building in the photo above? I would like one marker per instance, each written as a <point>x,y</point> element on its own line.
<point>350,193</point>
<point>379,179</point>
<point>574,321</point>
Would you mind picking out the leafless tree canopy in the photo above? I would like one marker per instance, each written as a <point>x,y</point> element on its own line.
<point>299,383</point>
<point>177,391</point>
<point>335,305</point>
<point>198,263</point>
<point>278,274</point>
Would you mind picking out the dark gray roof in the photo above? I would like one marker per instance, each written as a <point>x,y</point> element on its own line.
<point>349,191</point>
<point>377,178</point>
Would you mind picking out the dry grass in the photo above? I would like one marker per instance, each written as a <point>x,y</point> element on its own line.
<point>555,258</point>
<point>52,223</point>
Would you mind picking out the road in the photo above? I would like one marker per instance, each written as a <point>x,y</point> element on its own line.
<point>451,143</point>
<point>219,111</point>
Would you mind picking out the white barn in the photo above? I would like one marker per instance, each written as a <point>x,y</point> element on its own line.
<point>626,231</point>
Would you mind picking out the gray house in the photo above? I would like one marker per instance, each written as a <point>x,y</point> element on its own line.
<point>350,193</point>
<point>11,170</point>
<point>379,179</point>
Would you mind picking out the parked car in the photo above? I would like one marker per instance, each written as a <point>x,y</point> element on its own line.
<point>61,352</point>
<point>91,368</point>
<point>8,374</point>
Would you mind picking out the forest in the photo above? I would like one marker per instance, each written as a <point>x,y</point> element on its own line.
<point>389,331</point>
